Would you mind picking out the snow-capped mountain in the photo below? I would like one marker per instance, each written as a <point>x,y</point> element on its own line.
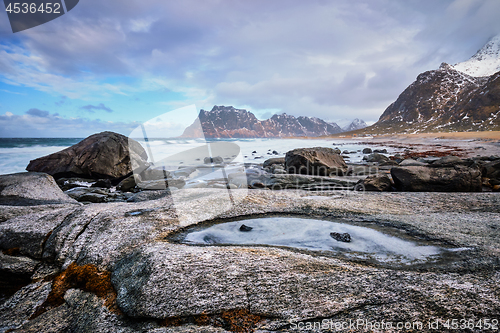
<point>464,97</point>
<point>228,122</point>
<point>444,100</point>
<point>356,124</point>
<point>485,62</point>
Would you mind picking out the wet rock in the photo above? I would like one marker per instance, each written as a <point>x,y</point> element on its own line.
<point>378,183</point>
<point>245,228</point>
<point>315,161</point>
<point>272,161</point>
<point>103,183</point>
<point>341,237</point>
<point>380,151</point>
<point>428,179</point>
<point>87,194</point>
<point>102,155</point>
<point>367,151</point>
<point>336,150</point>
<point>31,188</point>
<point>375,157</point>
<point>275,152</point>
<point>346,152</point>
<point>213,160</point>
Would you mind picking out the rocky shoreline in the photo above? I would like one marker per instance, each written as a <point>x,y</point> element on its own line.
<point>115,266</point>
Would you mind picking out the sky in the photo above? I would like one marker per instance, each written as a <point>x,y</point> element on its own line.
<point>114,64</point>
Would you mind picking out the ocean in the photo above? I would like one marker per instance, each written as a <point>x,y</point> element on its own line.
<point>16,153</point>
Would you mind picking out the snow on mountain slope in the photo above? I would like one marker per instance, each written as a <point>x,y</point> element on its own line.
<point>485,62</point>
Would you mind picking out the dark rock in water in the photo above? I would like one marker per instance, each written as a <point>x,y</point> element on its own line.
<point>376,157</point>
<point>428,179</point>
<point>346,152</point>
<point>102,155</point>
<point>31,188</point>
<point>272,161</point>
<point>254,152</point>
<point>104,183</point>
<point>214,160</point>
<point>87,194</point>
<point>344,237</point>
<point>367,151</point>
<point>380,151</point>
<point>317,161</point>
<point>275,152</point>
<point>337,150</point>
<point>374,183</point>
<point>245,228</point>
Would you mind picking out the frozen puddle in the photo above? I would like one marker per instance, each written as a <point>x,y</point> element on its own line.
<point>314,235</point>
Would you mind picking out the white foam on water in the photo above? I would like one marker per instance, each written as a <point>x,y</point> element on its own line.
<point>313,235</point>
<point>14,160</point>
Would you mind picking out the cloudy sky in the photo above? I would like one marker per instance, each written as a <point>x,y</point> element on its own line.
<point>111,65</point>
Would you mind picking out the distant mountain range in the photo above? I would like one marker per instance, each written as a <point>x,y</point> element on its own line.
<point>463,97</point>
<point>229,122</point>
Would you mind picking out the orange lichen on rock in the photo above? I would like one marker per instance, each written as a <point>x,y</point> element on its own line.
<point>240,320</point>
<point>87,278</point>
<point>236,320</point>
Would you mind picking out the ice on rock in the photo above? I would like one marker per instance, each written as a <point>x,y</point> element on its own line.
<point>314,235</point>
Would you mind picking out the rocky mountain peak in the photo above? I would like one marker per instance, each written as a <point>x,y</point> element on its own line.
<point>355,125</point>
<point>229,122</point>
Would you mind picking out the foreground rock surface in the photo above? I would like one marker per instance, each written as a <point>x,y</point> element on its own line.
<point>102,155</point>
<point>31,188</point>
<point>159,283</point>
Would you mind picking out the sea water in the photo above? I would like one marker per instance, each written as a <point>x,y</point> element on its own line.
<point>16,153</point>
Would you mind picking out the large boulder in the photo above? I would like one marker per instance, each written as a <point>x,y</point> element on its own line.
<point>377,183</point>
<point>31,188</point>
<point>428,179</point>
<point>317,161</point>
<point>102,155</point>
